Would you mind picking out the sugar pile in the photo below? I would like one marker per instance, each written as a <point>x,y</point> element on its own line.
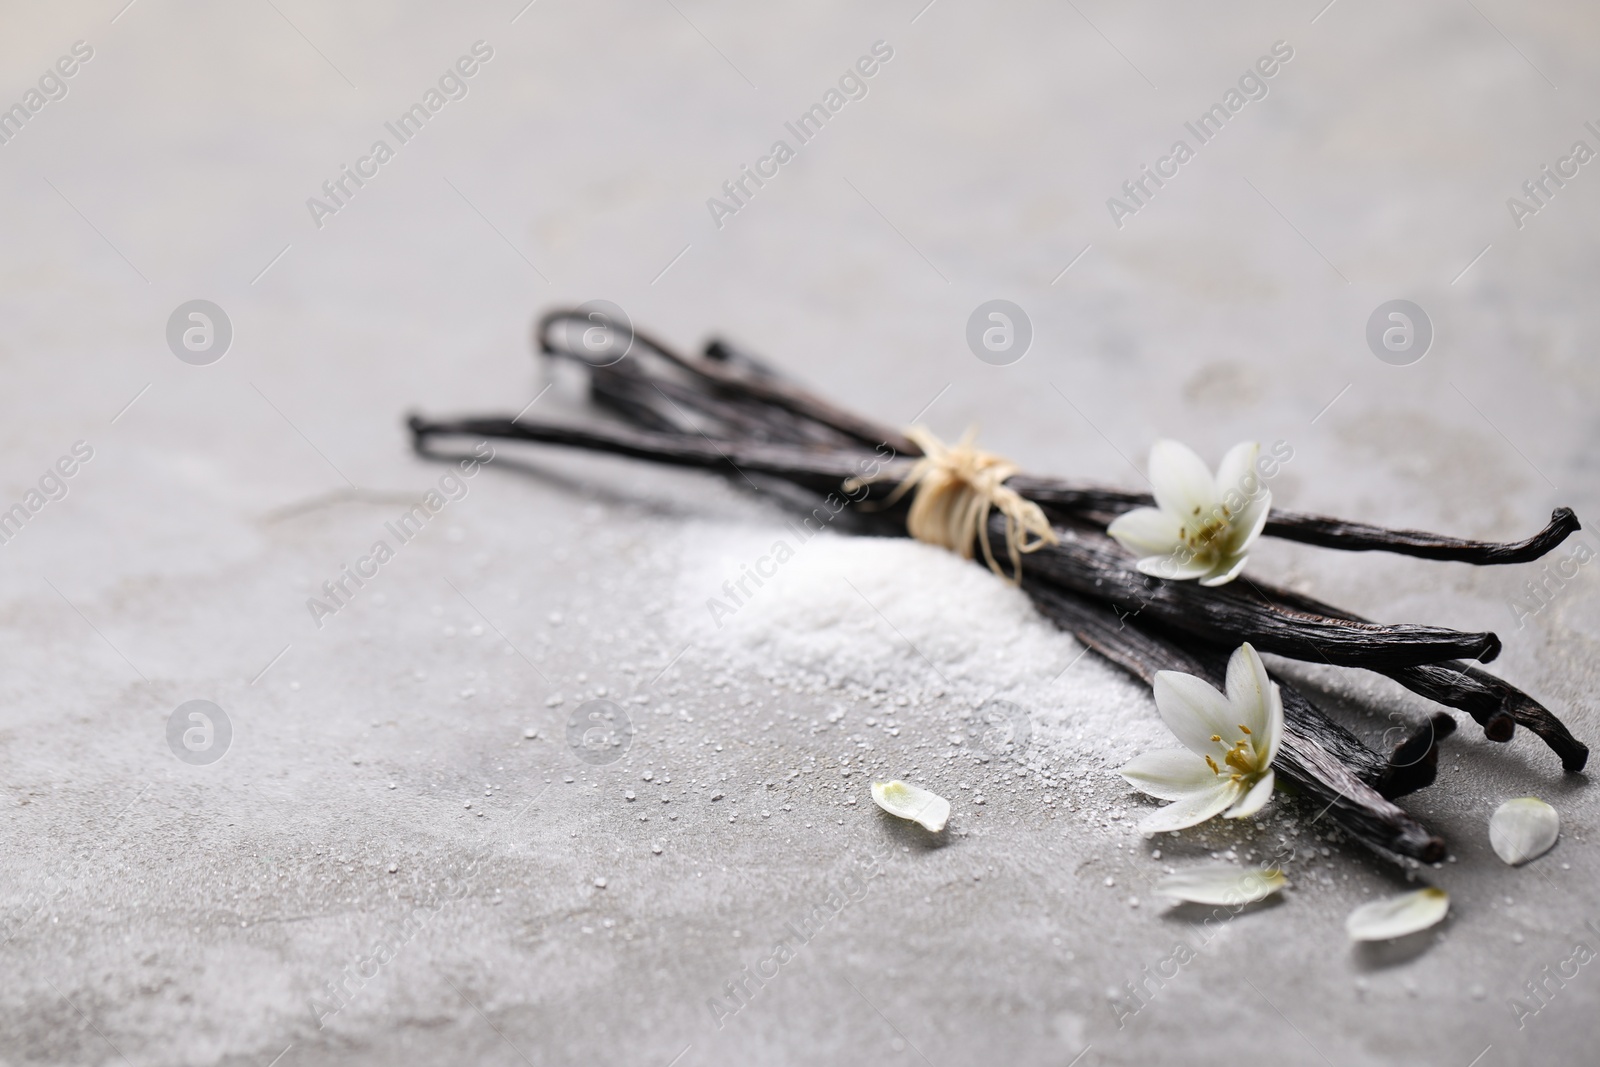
<point>890,622</point>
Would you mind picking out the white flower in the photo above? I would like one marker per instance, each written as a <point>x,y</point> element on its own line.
<point>1231,741</point>
<point>1201,527</point>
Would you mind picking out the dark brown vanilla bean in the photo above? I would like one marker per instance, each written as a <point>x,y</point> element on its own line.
<point>1085,560</point>
<point>1447,684</point>
<point>1362,537</point>
<point>1495,703</point>
<point>731,412</point>
<point>1100,505</point>
<point>1088,562</point>
<point>1410,767</point>
<point>1322,760</point>
<point>821,470</point>
<point>681,403</point>
<point>1522,708</point>
<point>1412,763</point>
<point>745,393</point>
<point>1429,680</point>
<point>767,389</point>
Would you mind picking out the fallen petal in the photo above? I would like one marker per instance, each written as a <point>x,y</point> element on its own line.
<point>1383,920</point>
<point>907,801</point>
<point>1523,829</point>
<point>1222,883</point>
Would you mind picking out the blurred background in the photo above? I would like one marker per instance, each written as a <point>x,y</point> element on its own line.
<point>163,911</point>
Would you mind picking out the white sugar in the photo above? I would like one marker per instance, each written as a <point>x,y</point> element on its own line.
<point>919,635</point>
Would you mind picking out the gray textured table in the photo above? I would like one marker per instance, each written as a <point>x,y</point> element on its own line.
<point>161,911</point>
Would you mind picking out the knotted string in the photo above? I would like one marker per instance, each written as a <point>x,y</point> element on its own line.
<point>957,486</point>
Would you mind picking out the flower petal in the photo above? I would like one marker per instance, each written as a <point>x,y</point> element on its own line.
<point>1194,712</point>
<point>912,802</point>
<point>1254,800</point>
<point>1147,531</point>
<point>1394,917</point>
<point>1249,688</point>
<point>1169,774</point>
<point>1225,571</point>
<point>1246,526</point>
<point>1267,746</point>
<point>1182,483</point>
<point>1523,829</point>
<point>1222,883</point>
<point>1193,809</point>
<point>1177,567</point>
<point>1237,471</point>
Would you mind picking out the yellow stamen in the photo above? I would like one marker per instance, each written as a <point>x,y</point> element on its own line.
<point>1244,728</point>
<point>1241,758</point>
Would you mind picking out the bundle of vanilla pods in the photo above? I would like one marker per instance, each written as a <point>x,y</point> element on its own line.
<point>727,411</point>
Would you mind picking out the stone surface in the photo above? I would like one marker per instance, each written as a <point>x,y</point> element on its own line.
<point>381,783</point>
